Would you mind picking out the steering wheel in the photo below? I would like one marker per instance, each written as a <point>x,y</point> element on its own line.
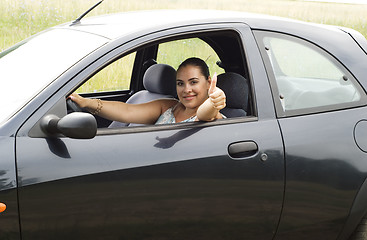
<point>73,106</point>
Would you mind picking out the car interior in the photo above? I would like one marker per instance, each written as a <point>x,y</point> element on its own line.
<point>151,72</point>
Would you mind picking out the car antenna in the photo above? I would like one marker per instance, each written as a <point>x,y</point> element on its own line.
<point>76,21</point>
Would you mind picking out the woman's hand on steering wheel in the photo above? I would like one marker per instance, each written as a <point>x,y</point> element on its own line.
<point>74,102</point>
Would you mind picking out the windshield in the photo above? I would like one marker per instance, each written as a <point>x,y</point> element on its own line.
<point>28,67</point>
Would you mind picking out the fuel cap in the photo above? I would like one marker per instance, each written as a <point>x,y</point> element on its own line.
<point>360,135</point>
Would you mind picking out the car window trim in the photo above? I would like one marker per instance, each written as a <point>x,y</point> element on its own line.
<point>281,113</point>
<point>196,32</point>
<point>122,47</point>
<point>174,126</point>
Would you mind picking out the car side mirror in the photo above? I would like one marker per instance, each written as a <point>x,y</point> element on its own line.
<point>76,125</point>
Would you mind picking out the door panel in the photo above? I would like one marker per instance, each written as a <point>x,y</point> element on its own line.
<point>167,184</point>
<point>9,219</point>
<point>325,169</point>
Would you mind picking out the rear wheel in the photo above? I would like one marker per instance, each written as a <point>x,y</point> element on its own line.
<point>360,233</point>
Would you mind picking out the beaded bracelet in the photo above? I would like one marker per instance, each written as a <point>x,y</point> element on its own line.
<point>99,107</point>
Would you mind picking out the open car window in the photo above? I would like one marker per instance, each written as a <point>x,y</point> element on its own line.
<point>221,50</point>
<point>114,77</point>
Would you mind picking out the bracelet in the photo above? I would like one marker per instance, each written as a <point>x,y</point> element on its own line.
<point>99,107</point>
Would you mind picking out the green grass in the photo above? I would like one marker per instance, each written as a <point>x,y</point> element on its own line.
<point>23,18</point>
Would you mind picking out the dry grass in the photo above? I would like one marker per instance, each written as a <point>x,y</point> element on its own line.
<point>22,18</point>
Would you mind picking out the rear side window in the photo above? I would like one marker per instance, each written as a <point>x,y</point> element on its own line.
<point>307,79</point>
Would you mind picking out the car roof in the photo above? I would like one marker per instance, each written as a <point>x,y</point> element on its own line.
<point>116,25</point>
<point>139,23</point>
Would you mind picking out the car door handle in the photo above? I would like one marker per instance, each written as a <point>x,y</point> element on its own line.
<point>242,149</point>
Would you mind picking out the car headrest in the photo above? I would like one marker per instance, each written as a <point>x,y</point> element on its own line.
<point>236,89</point>
<point>161,79</point>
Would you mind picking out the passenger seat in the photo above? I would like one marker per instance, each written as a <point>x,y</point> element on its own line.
<point>159,82</point>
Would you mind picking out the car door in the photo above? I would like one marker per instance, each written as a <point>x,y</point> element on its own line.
<point>320,105</point>
<point>216,180</point>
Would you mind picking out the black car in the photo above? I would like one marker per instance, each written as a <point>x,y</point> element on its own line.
<point>288,162</point>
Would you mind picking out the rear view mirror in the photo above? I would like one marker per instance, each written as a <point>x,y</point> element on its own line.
<point>76,125</point>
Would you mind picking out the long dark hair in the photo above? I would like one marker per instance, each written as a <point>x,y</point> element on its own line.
<point>197,62</point>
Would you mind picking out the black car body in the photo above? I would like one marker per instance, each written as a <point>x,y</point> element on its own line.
<point>294,167</point>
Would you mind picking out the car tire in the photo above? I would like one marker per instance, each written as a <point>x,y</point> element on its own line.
<point>360,233</point>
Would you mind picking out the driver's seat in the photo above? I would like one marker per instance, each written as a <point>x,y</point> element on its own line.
<point>159,82</point>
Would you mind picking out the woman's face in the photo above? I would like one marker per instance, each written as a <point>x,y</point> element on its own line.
<point>192,86</point>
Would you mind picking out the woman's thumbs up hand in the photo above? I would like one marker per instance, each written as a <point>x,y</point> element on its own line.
<point>216,95</point>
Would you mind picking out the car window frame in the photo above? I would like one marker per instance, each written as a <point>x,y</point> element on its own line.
<point>280,111</point>
<point>82,71</point>
<point>166,36</point>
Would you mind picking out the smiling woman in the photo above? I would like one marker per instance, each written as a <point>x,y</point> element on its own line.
<point>199,100</point>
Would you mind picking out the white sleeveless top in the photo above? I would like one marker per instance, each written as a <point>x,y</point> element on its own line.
<point>168,117</point>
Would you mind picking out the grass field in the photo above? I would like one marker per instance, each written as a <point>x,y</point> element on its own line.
<point>23,18</point>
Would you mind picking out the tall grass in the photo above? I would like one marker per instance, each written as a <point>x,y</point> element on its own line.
<point>23,18</point>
